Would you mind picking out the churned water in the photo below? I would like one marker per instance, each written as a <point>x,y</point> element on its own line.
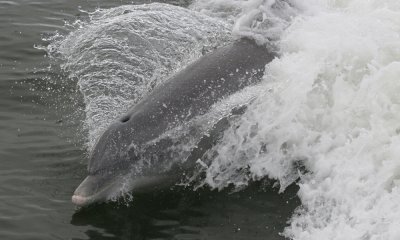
<point>332,107</point>
<point>314,155</point>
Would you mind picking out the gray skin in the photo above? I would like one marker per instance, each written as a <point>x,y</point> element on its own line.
<point>189,93</point>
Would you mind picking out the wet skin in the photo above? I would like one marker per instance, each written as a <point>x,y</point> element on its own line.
<point>189,93</point>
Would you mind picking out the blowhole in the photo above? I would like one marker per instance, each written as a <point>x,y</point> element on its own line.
<point>125,119</point>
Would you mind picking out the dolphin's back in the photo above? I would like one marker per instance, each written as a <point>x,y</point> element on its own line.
<point>190,92</point>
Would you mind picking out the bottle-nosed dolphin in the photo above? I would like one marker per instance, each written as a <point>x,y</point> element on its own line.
<point>189,93</point>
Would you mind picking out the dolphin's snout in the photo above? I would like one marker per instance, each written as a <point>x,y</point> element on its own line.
<point>80,200</point>
<point>96,188</point>
<point>86,191</point>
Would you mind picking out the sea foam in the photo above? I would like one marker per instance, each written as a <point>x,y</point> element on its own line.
<point>332,105</point>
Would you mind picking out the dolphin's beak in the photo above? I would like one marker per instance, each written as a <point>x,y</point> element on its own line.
<point>102,187</point>
<point>95,188</point>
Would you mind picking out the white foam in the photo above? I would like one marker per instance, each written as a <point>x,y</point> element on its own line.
<point>334,103</point>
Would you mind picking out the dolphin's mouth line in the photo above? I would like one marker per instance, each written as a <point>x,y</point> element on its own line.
<point>116,185</point>
<point>80,199</point>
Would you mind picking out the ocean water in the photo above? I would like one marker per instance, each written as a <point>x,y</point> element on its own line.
<point>314,155</point>
<point>46,133</point>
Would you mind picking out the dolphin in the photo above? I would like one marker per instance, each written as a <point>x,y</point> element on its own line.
<point>189,93</point>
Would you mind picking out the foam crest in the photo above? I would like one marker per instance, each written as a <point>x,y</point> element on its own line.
<point>332,105</point>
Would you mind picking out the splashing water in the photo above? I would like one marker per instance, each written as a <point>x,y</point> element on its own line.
<point>120,54</point>
<point>333,104</point>
<point>262,20</point>
<point>330,102</point>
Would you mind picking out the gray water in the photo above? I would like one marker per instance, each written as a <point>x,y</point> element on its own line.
<point>42,158</point>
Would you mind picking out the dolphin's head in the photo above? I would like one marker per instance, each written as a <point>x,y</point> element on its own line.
<point>108,164</point>
<point>97,188</point>
<point>115,167</point>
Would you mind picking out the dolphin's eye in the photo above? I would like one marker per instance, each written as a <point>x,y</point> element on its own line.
<point>125,118</point>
